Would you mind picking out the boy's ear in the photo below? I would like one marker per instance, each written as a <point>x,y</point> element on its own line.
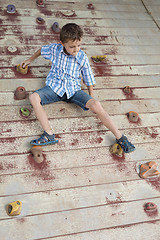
<point>62,43</point>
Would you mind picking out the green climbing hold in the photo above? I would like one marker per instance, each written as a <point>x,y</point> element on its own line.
<point>25,111</point>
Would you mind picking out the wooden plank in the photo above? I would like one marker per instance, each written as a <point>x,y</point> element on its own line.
<point>80,140</point>
<point>32,44</point>
<point>41,226</point>
<point>101,95</point>
<point>122,50</point>
<point>153,9</point>
<point>12,164</point>
<point>98,70</point>
<point>115,56</point>
<point>124,232</point>
<point>28,29</point>
<point>111,59</point>
<point>44,178</point>
<point>151,2</point>
<point>70,199</point>
<point>74,125</point>
<point>81,18</point>
<point>120,82</point>
<point>94,31</point>
<point>4,2</point>
<point>62,110</point>
<point>79,7</point>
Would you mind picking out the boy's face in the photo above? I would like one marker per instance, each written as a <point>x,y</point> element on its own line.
<point>72,48</point>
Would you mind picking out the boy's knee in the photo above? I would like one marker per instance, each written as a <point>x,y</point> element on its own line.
<point>95,106</point>
<point>34,98</point>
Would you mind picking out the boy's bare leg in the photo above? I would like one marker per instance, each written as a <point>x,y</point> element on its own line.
<point>40,112</point>
<point>97,108</point>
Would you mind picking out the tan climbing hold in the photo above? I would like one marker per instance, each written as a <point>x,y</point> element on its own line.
<point>14,208</point>
<point>133,116</point>
<point>116,149</point>
<point>148,169</point>
<point>21,69</point>
<point>37,153</point>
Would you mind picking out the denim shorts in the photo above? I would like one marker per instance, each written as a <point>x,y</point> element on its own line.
<point>47,96</point>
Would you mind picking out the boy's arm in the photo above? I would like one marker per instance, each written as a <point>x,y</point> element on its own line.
<point>31,59</point>
<point>90,90</point>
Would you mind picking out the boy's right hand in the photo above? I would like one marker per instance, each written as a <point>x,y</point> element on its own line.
<point>25,63</point>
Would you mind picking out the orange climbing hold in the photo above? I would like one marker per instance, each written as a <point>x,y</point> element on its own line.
<point>148,169</point>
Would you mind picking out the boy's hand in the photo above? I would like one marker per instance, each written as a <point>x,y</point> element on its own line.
<point>25,63</point>
<point>90,90</point>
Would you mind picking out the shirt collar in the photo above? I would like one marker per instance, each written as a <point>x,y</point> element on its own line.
<point>62,51</point>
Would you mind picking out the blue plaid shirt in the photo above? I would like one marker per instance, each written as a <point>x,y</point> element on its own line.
<point>66,70</point>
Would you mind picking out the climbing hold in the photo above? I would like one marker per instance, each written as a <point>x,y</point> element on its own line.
<point>11,8</point>
<point>116,149</point>
<point>37,153</point>
<point>21,69</point>
<point>133,116</point>
<point>91,6</point>
<point>25,112</point>
<point>20,93</point>
<point>67,13</point>
<point>12,49</point>
<point>150,206</point>
<point>55,27</point>
<point>127,89</point>
<point>14,208</point>
<point>40,3</point>
<point>101,58</point>
<point>39,20</point>
<point>148,169</point>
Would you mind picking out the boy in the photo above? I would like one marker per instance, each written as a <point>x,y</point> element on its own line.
<point>63,84</point>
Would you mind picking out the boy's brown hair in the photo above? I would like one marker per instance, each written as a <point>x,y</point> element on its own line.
<point>70,31</point>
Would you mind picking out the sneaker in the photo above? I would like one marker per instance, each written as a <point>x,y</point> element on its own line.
<point>125,144</point>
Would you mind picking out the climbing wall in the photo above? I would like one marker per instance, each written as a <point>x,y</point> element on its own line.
<point>81,190</point>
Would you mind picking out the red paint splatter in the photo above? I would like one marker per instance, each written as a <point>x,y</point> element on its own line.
<point>38,166</point>
<point>100,39</point>
<point>8,140</point>
<point>74,142</point>
<point>42,170</point>
<point>84,129</point>
<point>87,30</point>
<point>20,75</point>
<point>154,135</point>
<point>102,69</point>
<point>121,163</point>
<point>7,166</point>
<point>130,95</point>
<point>154,182</point>
<point>152,214</point>
<point>12,16</point>
<point>21,220</point>
<point>91,6</point>
<point>152,132</point>
<point>46,12</point>
<point>98,140</point>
